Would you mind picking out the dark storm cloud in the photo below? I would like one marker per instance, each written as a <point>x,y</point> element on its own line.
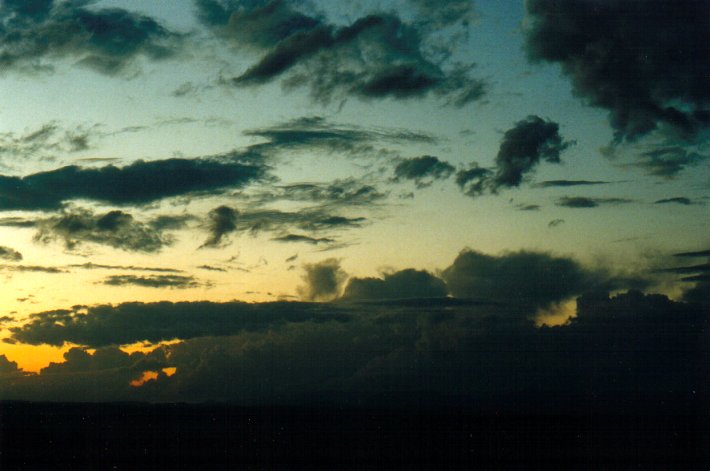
<point>222,222</point>
<point>386,354</point>
<point>566,183</point>
<point>128,323</point>
<point>116,229</point>
<point>533,279</point>
<point>630,58</point>
<point>423,170</point>
<point>303,238</point>
<point>153,281</point>
<point>583,202</point>
<point>138,183</point>
<point>522,148</point>
<point>108,40</point>
<point>404,284</point>
<point>676,200</point>
<point>322,281</point>
<point>10,255</point>
<point>377,56</point>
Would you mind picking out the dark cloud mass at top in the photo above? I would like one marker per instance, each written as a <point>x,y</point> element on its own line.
<point>645,62</point>
<point>138,183</point>
<point>376,56</point>
<point>107,40</point>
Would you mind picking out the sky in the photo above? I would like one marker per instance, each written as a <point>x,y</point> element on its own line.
<point>252,200</point>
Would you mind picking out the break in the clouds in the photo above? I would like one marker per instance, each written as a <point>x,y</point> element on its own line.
<point>115,228</point>
<point>404,284</point>
<point>376,56</point>
<point>108,40</point>
<point>522,148</point>
<point>583,202</point>
<point>153,281</point>
<point>10,255</point>
<point>138,183</point>
<point>643,62</point>
<point>423,170</point>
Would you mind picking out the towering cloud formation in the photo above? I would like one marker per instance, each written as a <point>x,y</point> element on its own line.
<point>404,284</point>
<point>645,62</point>
<point>322,281</point>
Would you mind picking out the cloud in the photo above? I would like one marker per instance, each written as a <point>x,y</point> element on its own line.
<point>303,238</point>
<point>225,220</point>
<point>128,323</point>
<point>628,58</point>
<point>32,269</point>
<point>528,207</point>
<point>555,223</point>
<point>404,284</point>
<point>677,200</point>
<point>11,255</point>
<point>108,40</point>
<point>423,170</point>
<point>45,142</point>
<point>699,253</point>
<point>98,266</point>
<point>322,281</point>
<point>566,183</point>
<point>222,222</point>
<point>315,132</point>
<point>115,228</point>
<point>377,56</point>
<point>585,202</point>
<point>668,162</point>
<point>391,354</point>
<point>530,279</point>
<point>138,183</point>
<point>153,281</point>
<point>523,147</point>
<point>339,193</point>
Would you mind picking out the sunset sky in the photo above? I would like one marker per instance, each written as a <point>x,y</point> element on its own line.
<point>381,182</point>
